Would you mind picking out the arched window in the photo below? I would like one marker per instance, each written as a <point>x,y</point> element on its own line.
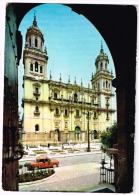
<point>37,109</point>
<point>58,134</point>
<point>66,112</point>
<point>31,67</point>
<point>77,113</point>
<point>36,127</point>
<point>36,42</point>
<point>36,66</point>
<point>75,97</point>
<point>77,132</point>
<point>57,111</point>
<point>29,42</point>
<point>95,134</point>
<point>103,84</point>
<point>106,84</point>
<point>101,65</point>
<point>40,69</point>
<point>109,85</point>
<point>55,95</point>
<point>95,115</point>
<point>36,89</point>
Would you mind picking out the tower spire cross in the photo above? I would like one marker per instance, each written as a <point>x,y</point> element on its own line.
<point>101,50</point>
<point>34,21</point>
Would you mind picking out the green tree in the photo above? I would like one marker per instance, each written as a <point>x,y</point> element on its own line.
<point>109,137</point>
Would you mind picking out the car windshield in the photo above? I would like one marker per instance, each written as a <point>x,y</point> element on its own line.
<point>42,160</point>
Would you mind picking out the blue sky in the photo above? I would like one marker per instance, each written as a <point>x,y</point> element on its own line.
<point>72,43</point>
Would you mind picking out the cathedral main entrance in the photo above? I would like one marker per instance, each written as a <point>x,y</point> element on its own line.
<point>57,135</point>
<point>77,133</point>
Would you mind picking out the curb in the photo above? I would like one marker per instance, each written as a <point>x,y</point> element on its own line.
<point>76,154</point>
<point>64,155</point>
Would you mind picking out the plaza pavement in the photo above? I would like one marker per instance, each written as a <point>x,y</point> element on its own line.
<point>73,178</point>
<point>63,151</point>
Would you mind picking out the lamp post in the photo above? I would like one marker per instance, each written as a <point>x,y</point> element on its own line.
<point>88,132</point>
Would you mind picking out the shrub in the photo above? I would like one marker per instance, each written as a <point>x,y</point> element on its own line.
<point>33,176</point>
<point>109,137</point>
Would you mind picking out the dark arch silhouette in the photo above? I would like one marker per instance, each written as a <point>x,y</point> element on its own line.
<point>119,29</point>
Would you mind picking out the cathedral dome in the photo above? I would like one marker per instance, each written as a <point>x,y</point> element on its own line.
<point>101,57</point>
<point>34,36</point>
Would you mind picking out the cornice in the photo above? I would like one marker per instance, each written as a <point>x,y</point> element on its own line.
<point>74,87</point>
<point>35,54</point>
<point>101,75</point>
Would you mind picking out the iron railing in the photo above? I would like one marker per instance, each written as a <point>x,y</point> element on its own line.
<point>106,172</point>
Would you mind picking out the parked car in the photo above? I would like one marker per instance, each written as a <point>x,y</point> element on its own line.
<point>42,162</point>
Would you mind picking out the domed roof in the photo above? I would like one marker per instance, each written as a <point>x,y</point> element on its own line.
<point>101,56</point>
<point>33,29</point>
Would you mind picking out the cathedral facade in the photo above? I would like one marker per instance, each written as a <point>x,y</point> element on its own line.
<point>57,112</point>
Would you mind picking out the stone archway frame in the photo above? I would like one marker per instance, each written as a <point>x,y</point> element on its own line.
<point>118,36</point>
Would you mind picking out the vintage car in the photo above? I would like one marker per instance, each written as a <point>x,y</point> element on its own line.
<point>42,162</point>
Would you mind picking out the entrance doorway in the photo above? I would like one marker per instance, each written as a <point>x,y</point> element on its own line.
<point>77,133</point>
<point>57,131</point>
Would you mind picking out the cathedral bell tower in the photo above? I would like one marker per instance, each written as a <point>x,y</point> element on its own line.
<point>35,84</point>
<point>35,55</point>
<point>102,82</point>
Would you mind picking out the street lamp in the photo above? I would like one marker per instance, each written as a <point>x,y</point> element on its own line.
<point>88,132</point>
<point>89,113</point>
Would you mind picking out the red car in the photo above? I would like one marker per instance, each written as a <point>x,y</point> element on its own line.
<point>42,162</point>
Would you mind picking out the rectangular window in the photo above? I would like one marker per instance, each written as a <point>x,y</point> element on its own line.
<point>36,127</point>
<point>36,66</point>
<point>31,67</point>
<point>77,113</point>
<point>36,89</point>
<point>40,69</point>
<point>66,112</point>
